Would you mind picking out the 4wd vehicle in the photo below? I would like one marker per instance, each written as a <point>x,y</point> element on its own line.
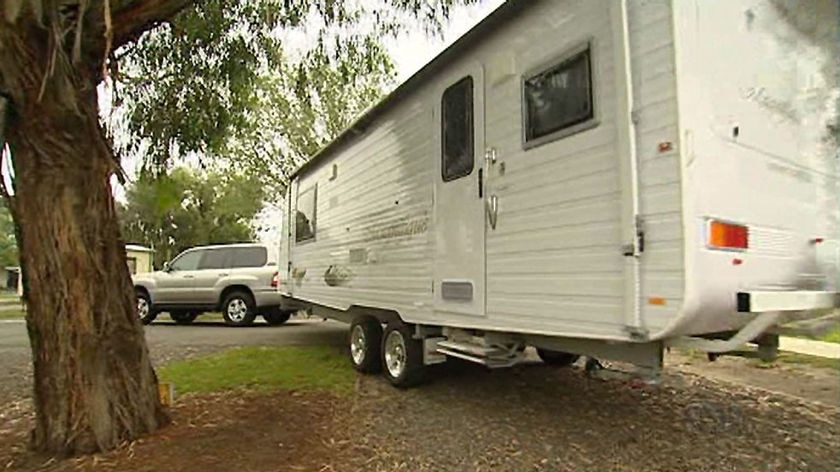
<point>236,279</point>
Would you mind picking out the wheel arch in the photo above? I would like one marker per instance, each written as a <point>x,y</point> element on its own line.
<point>382,315</point>
<point>230,289</point>
<point>144,289</point>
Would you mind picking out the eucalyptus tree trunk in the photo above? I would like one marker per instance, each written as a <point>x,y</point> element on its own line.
<point>94,385</point>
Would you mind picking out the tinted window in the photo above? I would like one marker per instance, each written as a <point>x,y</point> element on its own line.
<point>186,261</point>
<point>457,130</point>
<point>214,259</point>
<point>305,215</point>
<point>559,97</point>
<point>248,256</point>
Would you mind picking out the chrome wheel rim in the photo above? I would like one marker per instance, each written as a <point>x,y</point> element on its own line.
<point>395,354</point>
<point>142,308</point>
<point>237,310</point>
<point>358,344</point>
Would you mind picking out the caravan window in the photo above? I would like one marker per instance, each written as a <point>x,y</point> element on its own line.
<point>457,130</point>
<point>305,215</point>
<point>558,99</point>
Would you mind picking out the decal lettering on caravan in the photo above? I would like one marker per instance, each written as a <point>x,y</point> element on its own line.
<point>759,96</point>
<point>407,226</point>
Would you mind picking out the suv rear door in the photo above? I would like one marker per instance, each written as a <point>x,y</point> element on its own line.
<point>213,269</point>
<point>245,262</point>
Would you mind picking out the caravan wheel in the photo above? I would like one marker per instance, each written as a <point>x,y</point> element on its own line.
<point>365,345</point>
<point>402,356</point>
<point>557,358</point>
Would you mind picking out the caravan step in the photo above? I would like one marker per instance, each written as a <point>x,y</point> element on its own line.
<point>492,362</point>
<point>469,348</point>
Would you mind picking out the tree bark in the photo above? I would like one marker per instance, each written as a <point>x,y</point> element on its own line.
<point>94,385</point>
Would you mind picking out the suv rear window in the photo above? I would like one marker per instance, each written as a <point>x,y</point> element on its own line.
<point>248,256</point>
<point>214,259</point>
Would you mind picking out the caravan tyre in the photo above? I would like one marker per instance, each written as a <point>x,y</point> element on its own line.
<point>366,345</point>
<point>402,356</point>
<point>557,358</point>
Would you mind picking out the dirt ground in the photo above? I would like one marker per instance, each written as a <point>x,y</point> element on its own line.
<point>285,430</point>
<point>528,418</point>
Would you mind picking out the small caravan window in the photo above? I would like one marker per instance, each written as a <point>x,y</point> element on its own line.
<point>558,99</point>
<point>305,215</point>
<point>457,130</point>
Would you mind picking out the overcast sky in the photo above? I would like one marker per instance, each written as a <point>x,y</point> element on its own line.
<point>413,50</point>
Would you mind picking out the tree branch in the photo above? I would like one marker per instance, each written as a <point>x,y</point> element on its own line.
<point>137,16</point>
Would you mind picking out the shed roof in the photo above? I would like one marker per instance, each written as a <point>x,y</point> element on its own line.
<point>137,248</point>
<point>502,14</point>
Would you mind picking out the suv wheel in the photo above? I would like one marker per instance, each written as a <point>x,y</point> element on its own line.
<point>276,316</point>
<point>238,309</point>
<point>145,310</point>
<point>183,317</point>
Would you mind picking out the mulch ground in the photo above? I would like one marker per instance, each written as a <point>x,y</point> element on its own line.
<point>281,431</point>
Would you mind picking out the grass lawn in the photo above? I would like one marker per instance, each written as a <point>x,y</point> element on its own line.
<point>12,314</point>
<point>832,336</point>
<point>262,368</point>
<point>802,359</point>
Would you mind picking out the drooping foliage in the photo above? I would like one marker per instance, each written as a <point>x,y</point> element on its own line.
<point>258,85</point>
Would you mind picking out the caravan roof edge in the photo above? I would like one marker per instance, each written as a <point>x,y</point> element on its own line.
<point>507,10</point>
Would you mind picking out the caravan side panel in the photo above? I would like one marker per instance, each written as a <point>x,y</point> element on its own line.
<point>554,260</point>
<point>373,205</point>
<point>658,149</point>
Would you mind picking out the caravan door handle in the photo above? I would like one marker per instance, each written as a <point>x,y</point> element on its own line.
<point>492,206</point>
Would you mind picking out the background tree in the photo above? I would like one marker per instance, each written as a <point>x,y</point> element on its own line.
<point>8,246</point>
<point>183,209</point>
<point>94,385</point>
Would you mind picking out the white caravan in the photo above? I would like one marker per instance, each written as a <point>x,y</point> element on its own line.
<point>603,178</point>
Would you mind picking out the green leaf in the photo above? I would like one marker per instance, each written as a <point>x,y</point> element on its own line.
<point>12,9</point>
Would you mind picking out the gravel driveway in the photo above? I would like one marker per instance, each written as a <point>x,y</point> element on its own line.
<point>537,418</point>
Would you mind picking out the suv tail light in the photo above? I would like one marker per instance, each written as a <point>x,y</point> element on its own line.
<point>275,280</point>
<point>723,235</point>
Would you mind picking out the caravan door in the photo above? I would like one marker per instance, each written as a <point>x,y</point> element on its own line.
<point>459,223</point>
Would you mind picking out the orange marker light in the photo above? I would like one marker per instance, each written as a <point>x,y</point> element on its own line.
<point>727,235</point>
<point>656,301</point>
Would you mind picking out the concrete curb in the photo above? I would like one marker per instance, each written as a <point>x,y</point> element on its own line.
<point>810,347</point>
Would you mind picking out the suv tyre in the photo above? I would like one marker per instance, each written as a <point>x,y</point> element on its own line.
<point>238,308</point>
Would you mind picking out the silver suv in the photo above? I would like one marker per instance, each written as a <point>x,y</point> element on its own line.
<point>237,279</point>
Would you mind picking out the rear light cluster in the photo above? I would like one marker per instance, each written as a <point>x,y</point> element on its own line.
<point>275,280</point>
<point>724,235</point>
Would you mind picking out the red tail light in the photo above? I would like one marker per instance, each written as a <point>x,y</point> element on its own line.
<point>722,235</point>
<point>275,280</point>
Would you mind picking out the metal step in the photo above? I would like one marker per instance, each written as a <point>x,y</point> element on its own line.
<point>469,348</point>
<point>492,362</point>
<point>490,356</point>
